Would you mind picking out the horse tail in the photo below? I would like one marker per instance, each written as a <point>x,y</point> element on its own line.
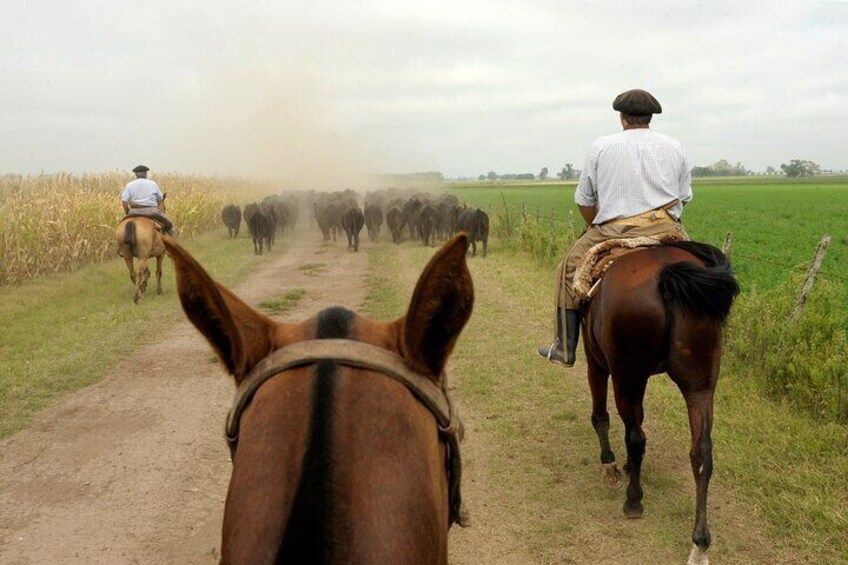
<point>705,292</point>
<point>129,236</point>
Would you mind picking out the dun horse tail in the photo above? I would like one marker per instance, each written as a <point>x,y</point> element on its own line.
<point>705,292</point>
<point>129,236</point>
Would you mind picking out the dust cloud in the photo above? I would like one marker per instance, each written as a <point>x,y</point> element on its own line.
<point>276,127</point>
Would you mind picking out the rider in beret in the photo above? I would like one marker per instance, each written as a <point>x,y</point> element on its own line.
<point>633,184</point>
<point>142,197</point>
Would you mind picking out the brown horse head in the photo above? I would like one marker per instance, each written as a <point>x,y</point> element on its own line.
<point>336,463</point>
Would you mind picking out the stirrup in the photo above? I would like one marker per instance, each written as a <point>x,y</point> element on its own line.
<point>551,359</point>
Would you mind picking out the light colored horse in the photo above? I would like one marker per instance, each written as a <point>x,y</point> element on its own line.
<point>138,237</point>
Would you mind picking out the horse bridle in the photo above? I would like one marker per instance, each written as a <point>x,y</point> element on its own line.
<point>370,357</point>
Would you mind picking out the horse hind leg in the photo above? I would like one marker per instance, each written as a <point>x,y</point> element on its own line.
<point>141,279</point>
<point>159,274</point>
<point>700,407</point>
<point>128,259</point>
<point>598,382</point>
<point>628,401</point>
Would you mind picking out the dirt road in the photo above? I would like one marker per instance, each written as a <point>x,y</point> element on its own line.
<point>134,469</point>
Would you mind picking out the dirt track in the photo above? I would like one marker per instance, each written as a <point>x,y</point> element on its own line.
<point>135,469</point>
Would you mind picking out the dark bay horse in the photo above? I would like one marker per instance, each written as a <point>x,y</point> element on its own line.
<point>336,464</point>
<point>659,310</point>
<point>139,237</point>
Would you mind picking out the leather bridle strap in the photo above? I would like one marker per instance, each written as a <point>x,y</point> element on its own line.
<point>363,356</point>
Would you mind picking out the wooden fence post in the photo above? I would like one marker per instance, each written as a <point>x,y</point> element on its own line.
<point>524,212</point>
<point>508,219</point>
<point>811,276</point>
<point>726,247</point>
<point>553,230</point>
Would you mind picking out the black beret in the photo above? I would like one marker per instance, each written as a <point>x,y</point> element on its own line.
<point>636,102</point>
<point>140,169</point>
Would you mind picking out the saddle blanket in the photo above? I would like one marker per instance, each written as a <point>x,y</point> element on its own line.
<point>599,258</point>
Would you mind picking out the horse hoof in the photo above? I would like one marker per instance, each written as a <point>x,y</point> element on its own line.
<point>634,510</point>
<point>697,556</point>
<point>612,476</point>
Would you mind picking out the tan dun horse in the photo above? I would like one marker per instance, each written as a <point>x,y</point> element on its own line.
<point>342,435</point>
<point>139,237</point>
<point>659,310</point>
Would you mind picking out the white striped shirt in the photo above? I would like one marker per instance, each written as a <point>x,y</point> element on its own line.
<point>632,172</point>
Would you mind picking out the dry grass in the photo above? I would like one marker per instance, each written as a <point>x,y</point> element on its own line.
<point>56,223</point>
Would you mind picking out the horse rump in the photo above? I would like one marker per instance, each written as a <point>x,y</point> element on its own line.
<point>705,292</point>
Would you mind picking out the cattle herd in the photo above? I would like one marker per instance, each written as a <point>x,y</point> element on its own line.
<point>408,215</point>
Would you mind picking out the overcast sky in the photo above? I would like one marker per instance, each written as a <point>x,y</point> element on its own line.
<point>458,86</point>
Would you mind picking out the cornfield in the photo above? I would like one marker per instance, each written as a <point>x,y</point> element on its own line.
<point>54,223</point>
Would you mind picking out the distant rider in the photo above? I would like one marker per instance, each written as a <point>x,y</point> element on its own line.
<point>142,197</point>
<point>634,184</point>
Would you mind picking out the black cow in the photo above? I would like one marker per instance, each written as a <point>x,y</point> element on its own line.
<point>476,224</point>
<point>410,212</point>
<point>352,221</point>
<point>427,219</point>
<point>232,219</point>
<point>261,230</point>
<point>373,221</point>
<point>394,220</point>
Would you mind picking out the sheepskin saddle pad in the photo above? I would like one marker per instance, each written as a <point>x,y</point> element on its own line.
<point>599,258</point>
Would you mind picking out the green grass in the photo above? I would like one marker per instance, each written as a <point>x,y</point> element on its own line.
<point>313,269</point>
<point>63,332</point>
<point>283,303</point>
<point>776,224</point>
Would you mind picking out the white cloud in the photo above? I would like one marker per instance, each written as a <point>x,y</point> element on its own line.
<point>463,87</point>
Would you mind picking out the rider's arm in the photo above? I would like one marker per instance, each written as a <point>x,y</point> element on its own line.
<point>588,213</point>
<point>126,206</point>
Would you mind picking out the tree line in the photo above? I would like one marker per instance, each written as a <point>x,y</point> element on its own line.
<point>795,168</point>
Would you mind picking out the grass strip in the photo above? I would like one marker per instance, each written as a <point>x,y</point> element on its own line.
<point>63,332</point>
<point>283,303</point>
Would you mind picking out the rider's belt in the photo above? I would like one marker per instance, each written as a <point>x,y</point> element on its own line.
<point>140,206</point>
<point>647,218</point>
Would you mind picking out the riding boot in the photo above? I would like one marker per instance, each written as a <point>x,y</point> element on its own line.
<point>572,328</point>
<point>554,352</point>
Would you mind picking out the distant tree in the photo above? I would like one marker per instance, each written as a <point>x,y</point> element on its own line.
<point>720,168</point>
<point>481,177</point>
<point>800,168</point>
<point>770,170</point>
<point>543,174</point>
<point>567,172</point>
<point>525,176</point>
<point>492,175</point>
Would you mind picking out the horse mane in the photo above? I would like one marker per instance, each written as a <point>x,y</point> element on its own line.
<point>710,255</point>
<point>706,292</point>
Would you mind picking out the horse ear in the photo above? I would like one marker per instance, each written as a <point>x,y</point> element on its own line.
<point>440,307</point>
<point>239,334</point>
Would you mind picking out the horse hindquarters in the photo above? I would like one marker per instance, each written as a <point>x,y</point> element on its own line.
<point>706,293</point>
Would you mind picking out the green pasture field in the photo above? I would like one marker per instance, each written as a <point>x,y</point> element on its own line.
<point>63,332</point>
<point>776,224</point>
<point>778,491</point>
